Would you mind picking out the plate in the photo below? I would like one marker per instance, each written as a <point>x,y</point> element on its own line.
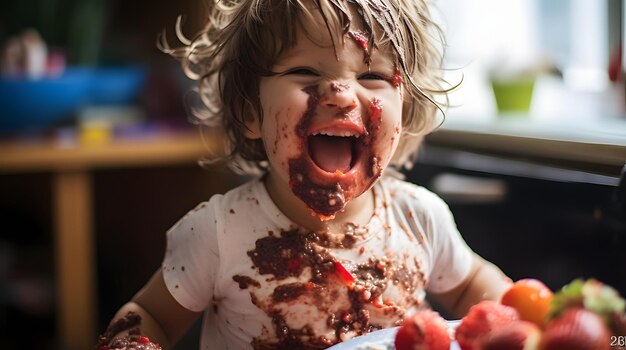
<point>382,339</point>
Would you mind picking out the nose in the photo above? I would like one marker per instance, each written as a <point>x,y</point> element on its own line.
<point>340,95</point>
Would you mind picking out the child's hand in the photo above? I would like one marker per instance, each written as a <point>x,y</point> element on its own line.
<point>133,340</point>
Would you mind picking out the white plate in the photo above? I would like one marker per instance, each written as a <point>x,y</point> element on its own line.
<point>382,339</point>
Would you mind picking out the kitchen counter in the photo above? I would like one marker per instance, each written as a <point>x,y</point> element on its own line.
<point>596,146</point>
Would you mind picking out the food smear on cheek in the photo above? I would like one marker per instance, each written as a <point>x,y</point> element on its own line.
<point>396,79</point>
<point>297,268</point>
<point>374,168</point>
<point>375,112</point>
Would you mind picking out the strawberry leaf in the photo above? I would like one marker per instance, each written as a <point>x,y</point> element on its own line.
<point>570,295</point>
<point>591,294</point>
<point>601,298</point>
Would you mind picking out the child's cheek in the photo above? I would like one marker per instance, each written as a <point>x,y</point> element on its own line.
<point>389,131</point>
<point>280,138</point>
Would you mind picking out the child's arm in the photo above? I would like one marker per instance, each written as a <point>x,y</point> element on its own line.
<point>485,281</point>
<point>163,319</point>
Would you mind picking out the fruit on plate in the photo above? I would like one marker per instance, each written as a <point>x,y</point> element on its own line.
<point>424,330</point>
<point>576,329</point>
<point>480,321</point>
<point>531,298</point>
<point>592,295</point>
<point>583,315</point>
<point>517,335</point>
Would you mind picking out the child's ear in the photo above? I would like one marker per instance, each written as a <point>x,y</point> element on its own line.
<point>253,128</point>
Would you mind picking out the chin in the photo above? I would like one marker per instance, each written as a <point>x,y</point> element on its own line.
<point>326,193</point>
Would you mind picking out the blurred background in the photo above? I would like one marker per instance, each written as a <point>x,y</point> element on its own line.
<point>98,159</point>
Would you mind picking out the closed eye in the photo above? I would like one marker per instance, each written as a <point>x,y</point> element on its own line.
<point>301,71</point>
<point>372,76</point>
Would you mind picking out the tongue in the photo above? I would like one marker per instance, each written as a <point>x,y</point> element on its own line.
<point>331,153</point>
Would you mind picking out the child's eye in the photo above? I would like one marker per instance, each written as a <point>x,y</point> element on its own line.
<point>302,71</point>
<point>372,76</point>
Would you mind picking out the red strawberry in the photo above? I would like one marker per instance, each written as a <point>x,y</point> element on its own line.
<point>481,319</point>
<point>143,340</point>
<point>425,330</point>
<point>293,264</point>
<point>517,335</point>
<point>576,329</point>
<point>344,275</point>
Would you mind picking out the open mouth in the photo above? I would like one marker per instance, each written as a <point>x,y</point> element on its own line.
<point>333,153</point>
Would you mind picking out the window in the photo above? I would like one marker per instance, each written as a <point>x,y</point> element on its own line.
<point>573,47</point>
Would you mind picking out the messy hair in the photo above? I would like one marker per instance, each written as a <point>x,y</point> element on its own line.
<point>244,38</point>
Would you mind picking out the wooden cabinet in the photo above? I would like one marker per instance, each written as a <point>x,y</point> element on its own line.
<point>88,189</point>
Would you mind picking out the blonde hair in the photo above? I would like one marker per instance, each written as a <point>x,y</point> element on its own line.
<point>243,38</point>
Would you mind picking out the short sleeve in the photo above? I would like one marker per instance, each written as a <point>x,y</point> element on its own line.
<point>192,257</point>
<point>451,256</point>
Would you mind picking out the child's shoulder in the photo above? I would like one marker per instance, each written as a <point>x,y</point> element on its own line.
<point>243,198</point>
<point>404,191</point>
<point>249,192</point>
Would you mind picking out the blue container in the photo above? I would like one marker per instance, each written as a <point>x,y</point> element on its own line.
<point>34,105</point>
<point>117,86</point>
<point>27,104</point>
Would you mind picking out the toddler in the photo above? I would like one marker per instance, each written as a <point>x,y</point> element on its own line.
<point>320,98</point>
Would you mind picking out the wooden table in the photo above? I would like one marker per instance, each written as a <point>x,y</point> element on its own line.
<point>71,165</point>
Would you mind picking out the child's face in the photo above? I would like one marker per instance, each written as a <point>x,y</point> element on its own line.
<point>331,121</point>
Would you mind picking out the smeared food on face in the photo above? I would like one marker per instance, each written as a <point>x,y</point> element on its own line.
<point>342,154</point>
<point>362,40</point>
<point>338,87</point>
<point>396,79</point>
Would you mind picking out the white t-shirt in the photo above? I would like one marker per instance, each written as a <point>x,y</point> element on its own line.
<point>264,282</point>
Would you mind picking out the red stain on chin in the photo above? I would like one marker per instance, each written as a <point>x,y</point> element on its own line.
<point>324,201</point>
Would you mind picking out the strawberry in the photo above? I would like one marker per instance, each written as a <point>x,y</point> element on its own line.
<point>378,301</point>
<point>594,296</point>
<point>481,319</point>
<point>531,298</point>
<point>425,330</point>
<point>576,329</point>
<point>517,335</point>
<point>143,340</point>
<point>293,264</point>
<point>344,275</point>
